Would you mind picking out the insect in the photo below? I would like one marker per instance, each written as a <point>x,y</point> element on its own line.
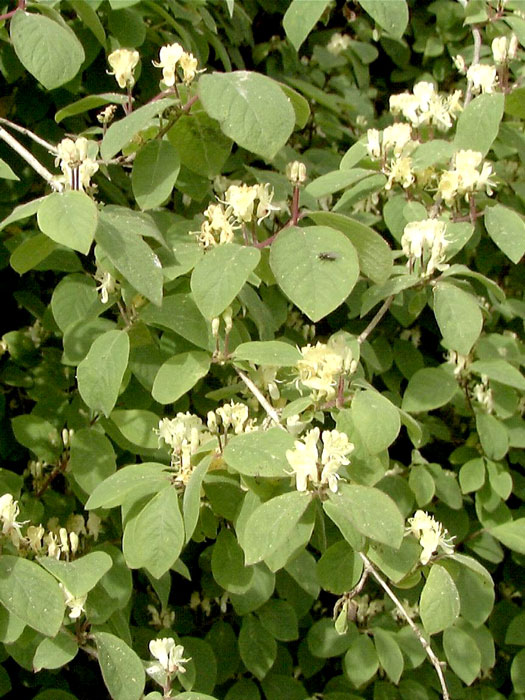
<point>328,256</point>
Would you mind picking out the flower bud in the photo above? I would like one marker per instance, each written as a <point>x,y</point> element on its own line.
<point>215,323</point>
<point>296,172</point>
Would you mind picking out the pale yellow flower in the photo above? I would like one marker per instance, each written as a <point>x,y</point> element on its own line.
<point>169,58</point>
<point>483,77</point>
<point>431,535</point>
<point>188,63</point>
<point>123,62</point>
<point>338,43</point>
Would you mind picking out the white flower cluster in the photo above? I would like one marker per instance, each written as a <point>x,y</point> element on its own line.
<point>183,434</point>
<point>338,43</point>
<point>465,178</point>
<point>460,362</point>
<point>59,541</point>
<point>74,603</point>
<point>424,244</point>
<point>322,365</point>
<point>393,139</point>
<point>78,168</point>
<point>9,510</point>
<point>483,394</point>
<point>173,56</point>
<point>305,463</point>
<point>504,49</point>
<point>431,535</point>
<point>426,107</point>
<point>237,208</point>
<point>230,416</point>
<point>123,62</point>
<point>170,659</point>
<point>483,78</point>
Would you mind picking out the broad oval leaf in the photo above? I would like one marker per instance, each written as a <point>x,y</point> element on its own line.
<point>316,267</point>
<point>201,145</point>
<point>251,109</point>
<point>179,374</point>
<point>31,594</point>
<point>458,316</point>
<point>81,575</point>
<point>31,252</point>
<point>257,647</point>
<point>478,124</point>
<point>462,654</point>
<point>507,230</point>
<point>48,50</point>
<point>133,482</point>
<point>122,670</point>
<point>100,373</point>
<point>300,18</point>
<point>260,453</point>
<point>220,275</point>
<point>69,218</point>
<point>372,512</point>
<point>155,171</point>
<point>427,389</point>
<point>270,352</point>
<point>439,602</point>
<point>500,371</point>
<point>511,534</point>
<point>154,539</point>
<point>54,653</point>
<point>376,419</point>
<point>391,15</point>
<point>227,564</point>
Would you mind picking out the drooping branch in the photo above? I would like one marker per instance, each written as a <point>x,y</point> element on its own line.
<point>30,158</point>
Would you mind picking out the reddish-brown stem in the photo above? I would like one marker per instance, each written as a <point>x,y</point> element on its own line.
<point>20,6</point>
<point>59,469</point>
<point>295,206</point>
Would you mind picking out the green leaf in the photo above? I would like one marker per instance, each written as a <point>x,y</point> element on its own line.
<point>192,497</point>
<point>493,435</point>
<point>121,668</point>
<point>31,594</point>
<point>391,15</point>
<point>270,352</point>
<point>22,211</point>
<point>517,672</point>
<point>372,512</point>
<point>100,374</point>
<point>227,564</point>
<point>179,374</point>
<point>428,389</point>
<point>439,604</point>
<point>389,654</point>
<point>276,518</point>
<point>81,575</point>
<point>516,631</point>
<point>179,313</point>
<point>458,316</point>
<point>69,218</point>
<point>155,171</point>
<point>472,475</point>
<point>376,419</point>
<point>395,563</point>
<point>280,619</point>
<point>511,534</point>
<point>300,18</point>
<point>220,275</point>
<point>138,426</point>
<point>54,653</point>
<point>339,568</point>
<point>90,102</point>
<point>38,435</point>
<point>251,108</point>
<point>122,131</point>
<point>92,458</point>
<point>133,258</point>
<point>336,180</point>
<point>200,143</point>
<point>462,654</point>
<point>154,539</point>
<point>48,50</point>
<point>478,124</point>
<point>375,256</point>
<point>300,105</point>
<point>360,662</point>
<point>132,482</point>
<point>6,172</point>
<point>260,453</point>
<point>257,647</point>
<point>31,252</point>
<point>316,285</point>
<point>499,371</point>
<point>90,18</point>
<point>514,103</point>
<point>75,299</point>
<point>507,230</point>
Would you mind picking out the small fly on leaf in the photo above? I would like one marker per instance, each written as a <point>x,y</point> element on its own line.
<point>328,256</point>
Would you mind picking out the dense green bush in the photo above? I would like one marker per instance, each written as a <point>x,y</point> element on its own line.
<point>262,403</point>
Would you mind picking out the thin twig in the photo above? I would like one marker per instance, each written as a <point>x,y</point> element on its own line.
<point>20,6</point>
<point>373,323</point>
<point>476,33</point>
<point>426,646</point>
<point>30,158</point>
<point>270,410</point>
<point>27,132</point>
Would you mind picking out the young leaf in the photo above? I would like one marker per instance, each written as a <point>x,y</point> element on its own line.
<point>439,604</point>
<point>69,218</point>
<point>155,171</point>
<point>251,109</point>
<point>54,653</point>
<point>48,50</point>
<point>220,275</point>
<point>179,374</point>
<point>458,316</point>
<point>100,374</point>
<point>121,668</point>
<point>316,284</point>
<point>300,18</point>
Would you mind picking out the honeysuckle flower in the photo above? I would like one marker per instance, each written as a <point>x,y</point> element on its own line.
<point>431,535</point>
<point>504,48</point>
<point>241,199</point>
<point>400,171</point>
<point>321,366</point>
<point>34,534</point>
<point>296,172</point>
<point>483,77</point>
<point>93,525</point>
<point>74,603</point>
<point>460,362</point>
<point>373,143</point>
<point>169,656</point>
<point>396,137</point>
<point>265,206</point>
<point>460,64</point>
<point>218,229</point>
<point>234,415</point>
<point>338,43</point>
<point>465,177</point>
<point>482,393</point>
<point>425,106</point>
<point>123,62</point>
<point>75,164</point>
<point>189,64</point>
<point>9,511</point>
<point>169,58</point>
<point>106,115</point>
<point>303,459</point>
<point>305,463</point>
<point>424,242</point>
<point>108,284</point>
